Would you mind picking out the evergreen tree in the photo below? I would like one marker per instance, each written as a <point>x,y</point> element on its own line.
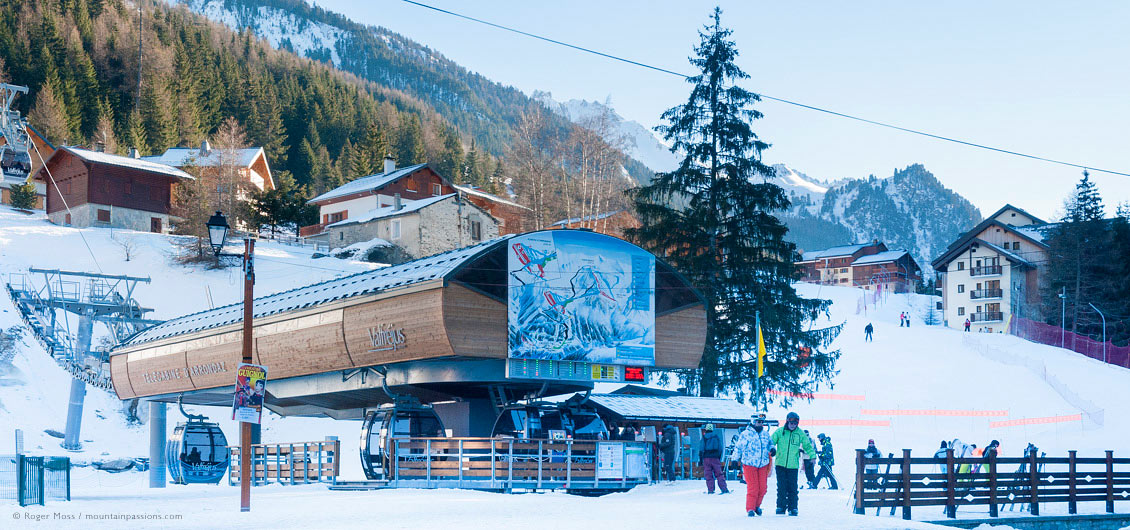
<point>471,173</point>
<point>410,142</point>
<point>104,132</point>
<point>451,158</point>
<point>713,219</point>
<point>1079,261</point>
<point>135,133</point>
<point>157,117</point>
<point>497,181</point>
<point>23,196</point>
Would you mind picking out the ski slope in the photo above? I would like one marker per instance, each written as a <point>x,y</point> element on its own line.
<point>926,368</point>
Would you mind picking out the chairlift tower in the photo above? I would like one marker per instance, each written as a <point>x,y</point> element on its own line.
<point>61,311</point>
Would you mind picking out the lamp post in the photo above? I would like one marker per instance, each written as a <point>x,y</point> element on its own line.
<point>217,234</point>
<point>1104,328</point>
<point>1063,317</point>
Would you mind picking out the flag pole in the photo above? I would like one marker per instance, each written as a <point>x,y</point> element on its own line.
<point>757,380</point>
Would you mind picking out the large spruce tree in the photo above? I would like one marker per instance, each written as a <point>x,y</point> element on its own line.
<point>713,220</point>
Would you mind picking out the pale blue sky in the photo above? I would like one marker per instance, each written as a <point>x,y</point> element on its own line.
<point>1048,78</point>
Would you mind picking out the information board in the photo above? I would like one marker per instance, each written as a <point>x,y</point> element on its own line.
<point>583,297</point>
<point>574,371</point>
<point>609,461</point>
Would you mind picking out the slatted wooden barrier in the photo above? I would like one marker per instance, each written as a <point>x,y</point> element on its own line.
<point>507,464</point>
<point>289,463</point>
<point>997,482</point>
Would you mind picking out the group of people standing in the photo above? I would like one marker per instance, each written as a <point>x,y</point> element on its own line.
<point>756,448</point>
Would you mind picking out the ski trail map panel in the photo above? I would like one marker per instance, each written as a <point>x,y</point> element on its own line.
<point>579,300</point>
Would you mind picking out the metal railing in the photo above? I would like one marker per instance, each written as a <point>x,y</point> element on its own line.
<point>508,464</point>
<point>987,270</point>
<point>289,463</point>
<point>954,482</point>
<point>987,316</point>
<point>986,293</point>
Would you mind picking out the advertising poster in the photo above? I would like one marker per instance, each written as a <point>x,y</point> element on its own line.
<point>250,388</point>
<point>636,463</point>
<point>580,296</point>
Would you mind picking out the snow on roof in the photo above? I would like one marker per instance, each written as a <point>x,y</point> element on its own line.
<point>183,156</point>
<point>595,217</point>
<point>882,257</point>
<point>125,161</point>
<point>480,193</point>
<point>406,207</point>
<point>811,255</point>
<point>1036,232</point>
<point>368,282</point>
<point>674,408</point>
<point>371,182</point>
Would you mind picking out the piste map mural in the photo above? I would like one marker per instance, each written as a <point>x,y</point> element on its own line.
<point>581,296</point>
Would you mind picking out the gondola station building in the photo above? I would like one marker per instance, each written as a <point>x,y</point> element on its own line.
<point>470,331</point>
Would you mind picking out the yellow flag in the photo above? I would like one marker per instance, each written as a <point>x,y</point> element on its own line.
<point>760,352</point>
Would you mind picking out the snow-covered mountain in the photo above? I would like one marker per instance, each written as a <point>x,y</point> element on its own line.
<point>900,210</point>
<point>641,142</point>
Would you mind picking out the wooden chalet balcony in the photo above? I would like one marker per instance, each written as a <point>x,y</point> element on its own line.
<point>987,316</point>
<point>307,231</point>
<point>986,293</point>
<point>988,270</point>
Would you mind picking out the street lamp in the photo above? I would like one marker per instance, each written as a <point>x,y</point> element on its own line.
<point>1063,317</point>
<point>217,233</point>
<point>1104,328</point>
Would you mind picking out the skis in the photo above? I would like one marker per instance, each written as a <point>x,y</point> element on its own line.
<point>883,485</point>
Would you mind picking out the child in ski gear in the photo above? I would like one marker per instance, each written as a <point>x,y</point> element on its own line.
<point>667,445</point>
<point>754,449</point>
<point>827,460</point>
<point>710,458</point>
<point>809,465</point>
<point>867,332</point>
<point>788,440</point>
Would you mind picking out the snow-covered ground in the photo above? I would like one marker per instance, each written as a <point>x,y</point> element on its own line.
<point>916,368</point>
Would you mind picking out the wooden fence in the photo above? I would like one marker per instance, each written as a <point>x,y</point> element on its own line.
<point>508,464</point>
<point>994,481</point>
<point>289,463</point>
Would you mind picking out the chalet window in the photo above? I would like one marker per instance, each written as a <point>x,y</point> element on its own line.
<point>476,230</point>
<point>960,311</point>
<point>961,288</point>
<point>978,309</point>
<point>103,216</point>
<point>978,263</point>
<point>68,220</point>
<point>978,286</point>
<point>410,185</point>
<point>341,236</point>
<point>437,189</point>
<point>961,265</point>
<point>67,188</point>
<point>338,216</point>
<point>394,229</point>
<point>1015,245</point>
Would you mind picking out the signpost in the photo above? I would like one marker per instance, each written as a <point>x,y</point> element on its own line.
<point>245,455</point>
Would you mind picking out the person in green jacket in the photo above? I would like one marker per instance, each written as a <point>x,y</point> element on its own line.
<point>788,441</point>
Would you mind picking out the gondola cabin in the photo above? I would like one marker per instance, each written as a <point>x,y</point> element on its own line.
<point>197,453</point>
<point>404,418</point>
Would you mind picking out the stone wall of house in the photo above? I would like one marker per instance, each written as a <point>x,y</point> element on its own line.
<point>85,215</point>
<point>447,225</point>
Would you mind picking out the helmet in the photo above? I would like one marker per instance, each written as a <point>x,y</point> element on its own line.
<point>820,436</point>
<point>709,427</point>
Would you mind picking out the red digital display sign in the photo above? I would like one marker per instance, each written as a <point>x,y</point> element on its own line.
<point>633,373</point>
